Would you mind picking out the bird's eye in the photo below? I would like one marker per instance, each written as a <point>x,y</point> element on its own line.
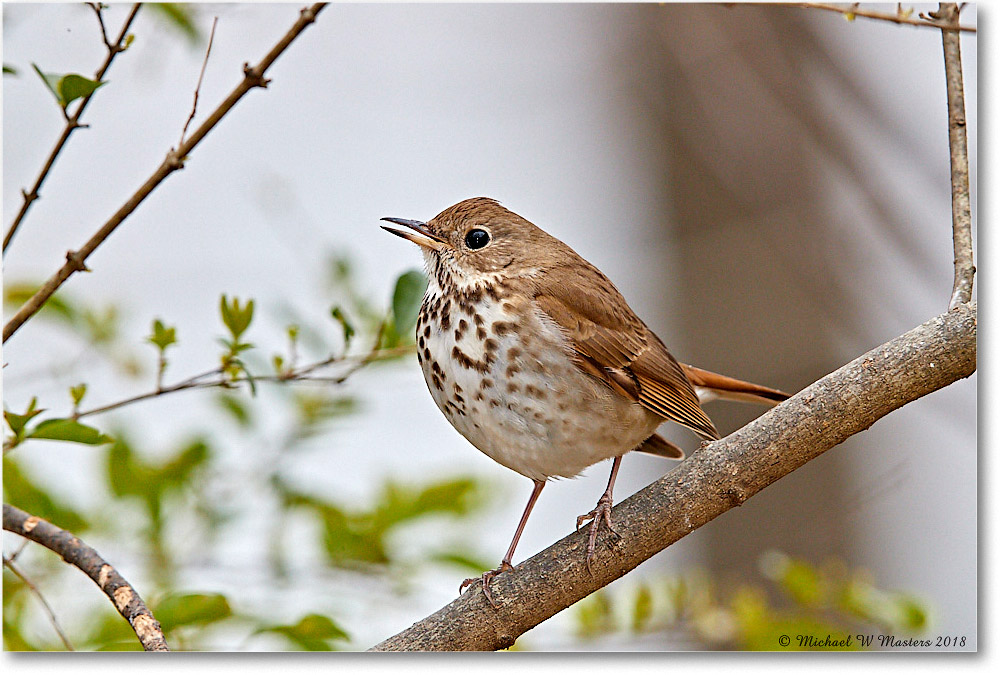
<point>477,238</point>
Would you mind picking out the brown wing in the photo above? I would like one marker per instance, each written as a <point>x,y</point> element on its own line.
<point>613,344</point>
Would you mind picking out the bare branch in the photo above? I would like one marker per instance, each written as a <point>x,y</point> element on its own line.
<point>961,209</point>
<point>900,17</point>
<point>76,553</point>
<point>717,477</point>
<point>252,77</point>
<point>9,564</point>
<point>221,380</point>
<point>72,124</point>
<point>197,89</point>
<point>98,10</point>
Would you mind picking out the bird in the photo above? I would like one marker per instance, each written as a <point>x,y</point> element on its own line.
<point>534,356</point>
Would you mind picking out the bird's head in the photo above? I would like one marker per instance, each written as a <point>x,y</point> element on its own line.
<point>477,239</point>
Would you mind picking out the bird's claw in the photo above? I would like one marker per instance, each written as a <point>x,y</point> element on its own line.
<point>601,512</point>
<point>485,578</point>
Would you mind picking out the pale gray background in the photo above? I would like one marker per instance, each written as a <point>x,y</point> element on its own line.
<point>767,186</point>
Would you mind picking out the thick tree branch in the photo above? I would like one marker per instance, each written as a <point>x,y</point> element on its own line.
<point>76,553</point>
<point>76,260</point>
<point>717,477</point>
<point>961,209</point>
<point>72,123</point>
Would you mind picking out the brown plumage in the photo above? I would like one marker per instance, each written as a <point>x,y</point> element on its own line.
<point>558,372</point>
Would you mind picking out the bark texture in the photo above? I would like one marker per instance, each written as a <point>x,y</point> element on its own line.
<point>717,477</point>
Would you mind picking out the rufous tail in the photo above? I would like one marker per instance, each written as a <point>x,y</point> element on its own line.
<point>709,386</point>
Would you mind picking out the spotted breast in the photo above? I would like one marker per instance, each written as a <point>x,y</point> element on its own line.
<point>499,370</point>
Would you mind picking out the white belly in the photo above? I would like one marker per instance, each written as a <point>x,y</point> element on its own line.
<point>522,401</point>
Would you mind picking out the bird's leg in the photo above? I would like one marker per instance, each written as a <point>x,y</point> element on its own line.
<point>505,564</point>
<point>601,512</point>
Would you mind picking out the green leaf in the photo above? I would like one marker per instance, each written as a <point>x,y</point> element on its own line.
<point>9,70</point>
<point>68,430</point>
<point>347,540</point>
<point>802,582</point>
<point>593,615</point>
<point>126,475</point>
<point>314,408</point>
<point>400,503</point>
<point>236,408</point>
<point>55,307</point>
<point>73,86</point>
<point>17,422</point>
<point>237,319</point>
<point>19,489</point>
<point>406,298</point>
<point>78,392</point>
<point>180,468</point>
<point>189,609</point>
<point>345,325</point>
<point>179,16</point>
<point>642,609</point>
<point>912,614</point>
<point>463,560</point>
<point>51,80</point>
<point>162,336</point>
<point>69,87</point>
<point>313,632</point>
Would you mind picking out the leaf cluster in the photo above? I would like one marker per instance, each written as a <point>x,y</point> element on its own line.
<point>798,598</point>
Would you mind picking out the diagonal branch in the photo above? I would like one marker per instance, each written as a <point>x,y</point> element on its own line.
<point>961,209</point>
<point>76,553</point>
<point>76,260</point>
<point>9,564</point>
<point>72,124</point>
<point>717,477</point>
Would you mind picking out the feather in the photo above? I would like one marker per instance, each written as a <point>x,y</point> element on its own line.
<point>614,345</point>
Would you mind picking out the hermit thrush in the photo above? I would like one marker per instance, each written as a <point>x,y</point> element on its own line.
<point>535,357</point>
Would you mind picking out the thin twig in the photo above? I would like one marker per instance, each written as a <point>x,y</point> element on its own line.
<point>224,381</point>
<point>20,549</point>
<point>72,124</point>
<point>9,564</point>
<point>75,260</point>
<point>99,11</point>
<point>76,553</point>
<point>898,18</point>
<point>961,209</point>
<point>193,382</point>
<point>197,89</point>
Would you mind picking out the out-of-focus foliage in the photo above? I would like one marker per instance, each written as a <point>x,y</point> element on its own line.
<point>798,599</point>
<point>180,16</point>
<point>355,537</point>
<point>171,505</point>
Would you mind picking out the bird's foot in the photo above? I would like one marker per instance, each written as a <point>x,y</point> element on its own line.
<point>487,576</point>
<point>601,512</point>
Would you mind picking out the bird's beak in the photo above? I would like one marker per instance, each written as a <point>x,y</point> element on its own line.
<point>423,237</point>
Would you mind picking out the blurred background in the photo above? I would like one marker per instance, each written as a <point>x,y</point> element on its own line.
<point>767,185</point>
